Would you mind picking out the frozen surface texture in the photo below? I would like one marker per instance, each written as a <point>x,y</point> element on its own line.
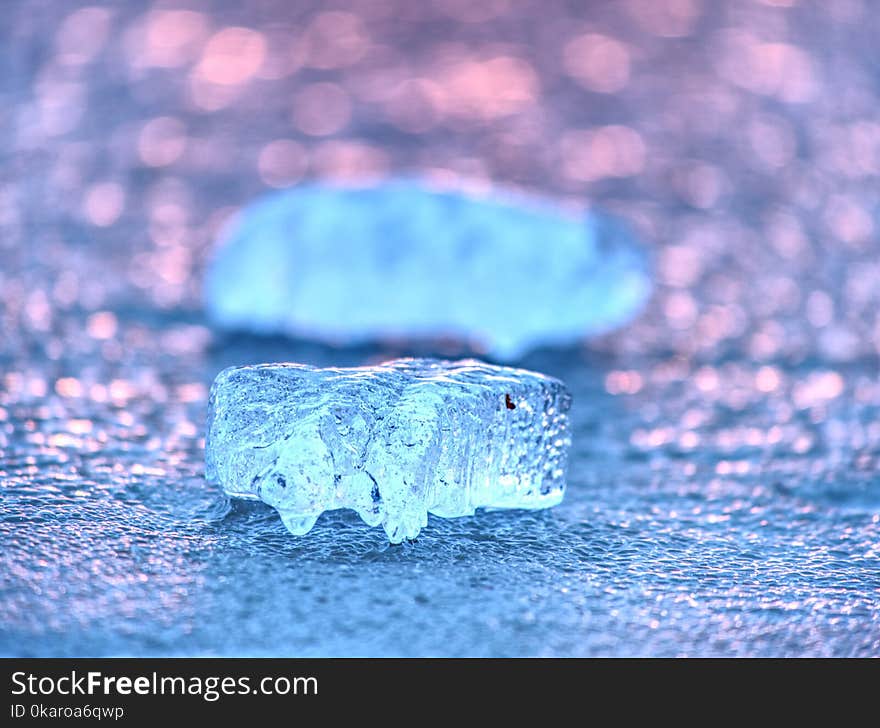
<point>703,515</point>
<point>349,264</point>
<point>723,490</point>
<point>393,442</point>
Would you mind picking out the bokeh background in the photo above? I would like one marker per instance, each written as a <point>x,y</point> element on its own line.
<point>724,495</point>
<point>741,137</point>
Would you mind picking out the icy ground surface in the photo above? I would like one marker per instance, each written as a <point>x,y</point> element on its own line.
<point>724,487</point>
<point>392,442</point>
<point>505,271</point>
<point>710,510</point>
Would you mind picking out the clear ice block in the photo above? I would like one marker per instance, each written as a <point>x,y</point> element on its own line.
<point>393,442</point>
<point>505,273</point>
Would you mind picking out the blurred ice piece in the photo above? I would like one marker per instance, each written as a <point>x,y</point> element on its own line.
<point>348,264</point>
<point>393,442</point>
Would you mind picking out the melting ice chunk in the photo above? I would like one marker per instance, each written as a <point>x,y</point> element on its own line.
<point>349,264</point>
<point>394,442</point>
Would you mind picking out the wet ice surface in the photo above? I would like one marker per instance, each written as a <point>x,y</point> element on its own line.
<point>505,271</point>
<point>724,494</point>
<point>392,442</point>
<point>715,509</point>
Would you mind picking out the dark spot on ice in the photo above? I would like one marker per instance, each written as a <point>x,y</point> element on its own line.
<point>509,402</point>
<point>782,489</point>
<point>282,483</point>
<point>374,493</point>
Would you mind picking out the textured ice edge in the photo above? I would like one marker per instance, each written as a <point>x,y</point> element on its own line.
<point>503,272</point>
<point>393,442</point>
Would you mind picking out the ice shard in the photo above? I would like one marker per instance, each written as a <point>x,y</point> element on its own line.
<point>393,442</point>
<point>504,273</point>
